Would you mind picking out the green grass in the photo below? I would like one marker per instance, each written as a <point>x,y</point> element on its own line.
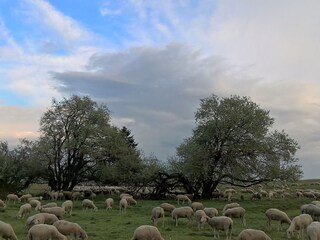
<point>111,224</point>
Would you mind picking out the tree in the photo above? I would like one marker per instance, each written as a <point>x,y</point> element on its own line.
<point>232,143</point>
<point>76,138</point>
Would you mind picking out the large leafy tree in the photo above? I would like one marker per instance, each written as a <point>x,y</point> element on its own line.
<point>233,142</point>
<point>77,139</point>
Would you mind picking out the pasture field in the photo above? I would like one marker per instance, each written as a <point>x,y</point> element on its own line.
<point>111,224</point>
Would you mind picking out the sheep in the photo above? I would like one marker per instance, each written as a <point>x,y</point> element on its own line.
<point>183,198</point>
<point>200,217</point>
<point>313,231</point>
<point>67,206</point>
<point>299,223</point>
<point>167,207</point>
<point>88,204</point>
<point>45,218</point>
<point>276,214</point>
<point>123,204</point>
<point>211,212</point>
<point>2,205</point>
<point>44,232</point>
<point>311,209</point>
<point>13,197</point>
<point>125,195</point>
<point>54,195</point>
<point>253,234</point>
<point>130,200</point>
<point>7,232</point>
<point>50,204</point>
<point>58,211</point>
<point>77,196</point>
<point>236,212</point>
<point>70,229</point>
<point>197,206</point>
<point>25,197</point>
<point>147,232</point>
<point>221,223</point>
<point>108,202</point>
<point>157,212</point>
<point>182,212</point>
<point>230,205</point>
<point>36,204</point>
<point>24,210</point>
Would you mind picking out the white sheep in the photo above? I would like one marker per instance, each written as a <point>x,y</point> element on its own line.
<point>67,206</point>
<point>182,212</point>
<point>278,215</point>
<point>236,212</point>
<point>221,223</point>
<point>147,232</point>
<point>200,217</point>
<point>230,205</point>
<point>197,206</point>
<point>77,195</point>
<point>24,210</point>
<point>130,200</point>
<point>109,202</point>
<point>25,197</point>
<point>50,204</point>
<point>44,232</point>
<point>311,209</point>
<point>167,207</point>
<point>123,204</point>
<point>44,218</point>
<point>58,211</point>
<point>313,231</point>
<point>7,232</point>
<point>253,234</point>
<point>183,198</point>
<point>12,197</point>
<point>157,212</point>
<point>88,204</point>
<point>70,229</point>
<point>211,212</point>
<point>36,204</point>
<point>299,223</point>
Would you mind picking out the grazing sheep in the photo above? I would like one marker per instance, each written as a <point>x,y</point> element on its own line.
<point>299,223</point>
<point>6,231</point>
<point>200,217</point>
<point>58,211</point>
<point>230,205</point>
<point>70,229</point>
<point>44,218</point>
<point>167,207</point>
<point>313,231</point>
<point>67,206</point>
<point>253,234</point>
<point>236,212</point>
<point>13,197</point>
<point>108,202</point>
<point>147,232</point>
<point>183,198</point>
<point>54,195</point>
<point>182,212</point>
<point>88,204</point>
<point>51,204</point>
<point>44,232</point>
<point>157,212</point>
<point>221,223</point>
<point>311,209</point>
<point>36,204</point>
<point>197,206</point>
<point>125,195</point>
<point>25,197</point>
<point>123,204</point>
<point>2,205</point>
<point>276,214</point>
<point>77,196</point>
<point>130,200</point>
<point>24,210</point>
<point>211,212</point>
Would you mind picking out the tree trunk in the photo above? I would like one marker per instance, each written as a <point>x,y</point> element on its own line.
<point>207,189</point>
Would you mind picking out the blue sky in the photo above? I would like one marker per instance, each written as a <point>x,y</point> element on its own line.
<point>152,61</point>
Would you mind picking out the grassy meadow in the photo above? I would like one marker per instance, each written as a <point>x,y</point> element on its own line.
<point>111,224</point>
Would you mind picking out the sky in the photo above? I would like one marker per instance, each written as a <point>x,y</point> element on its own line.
<point>152,61</point>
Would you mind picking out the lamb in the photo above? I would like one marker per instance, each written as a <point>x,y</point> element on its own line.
<point>45,218</point>
<point>44,232</point>
<point>167,207</point>
<point>236,212</point>
<point>313,231</point>
<point>6,231</point>
<point>36,204</point>
<point>230,205</point>
<point>88,204</point>
<point>299,223</point>
<point>147,232</point>
<point>253,234</point>
<point>67,206</point>
<point>108,202</point>
<point>182,212</point>
<point>201,218</point>
<point>123,204</point>
<point>211,212</point>
<point>58,211</point>
<point>13,197</point>
<point>197,206</point>
<point>70,229</point>
<point>183,198</point>
<point>157,212</point>
<point>221,223</point>
<point>24,210</point>
<point>276,214</point>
